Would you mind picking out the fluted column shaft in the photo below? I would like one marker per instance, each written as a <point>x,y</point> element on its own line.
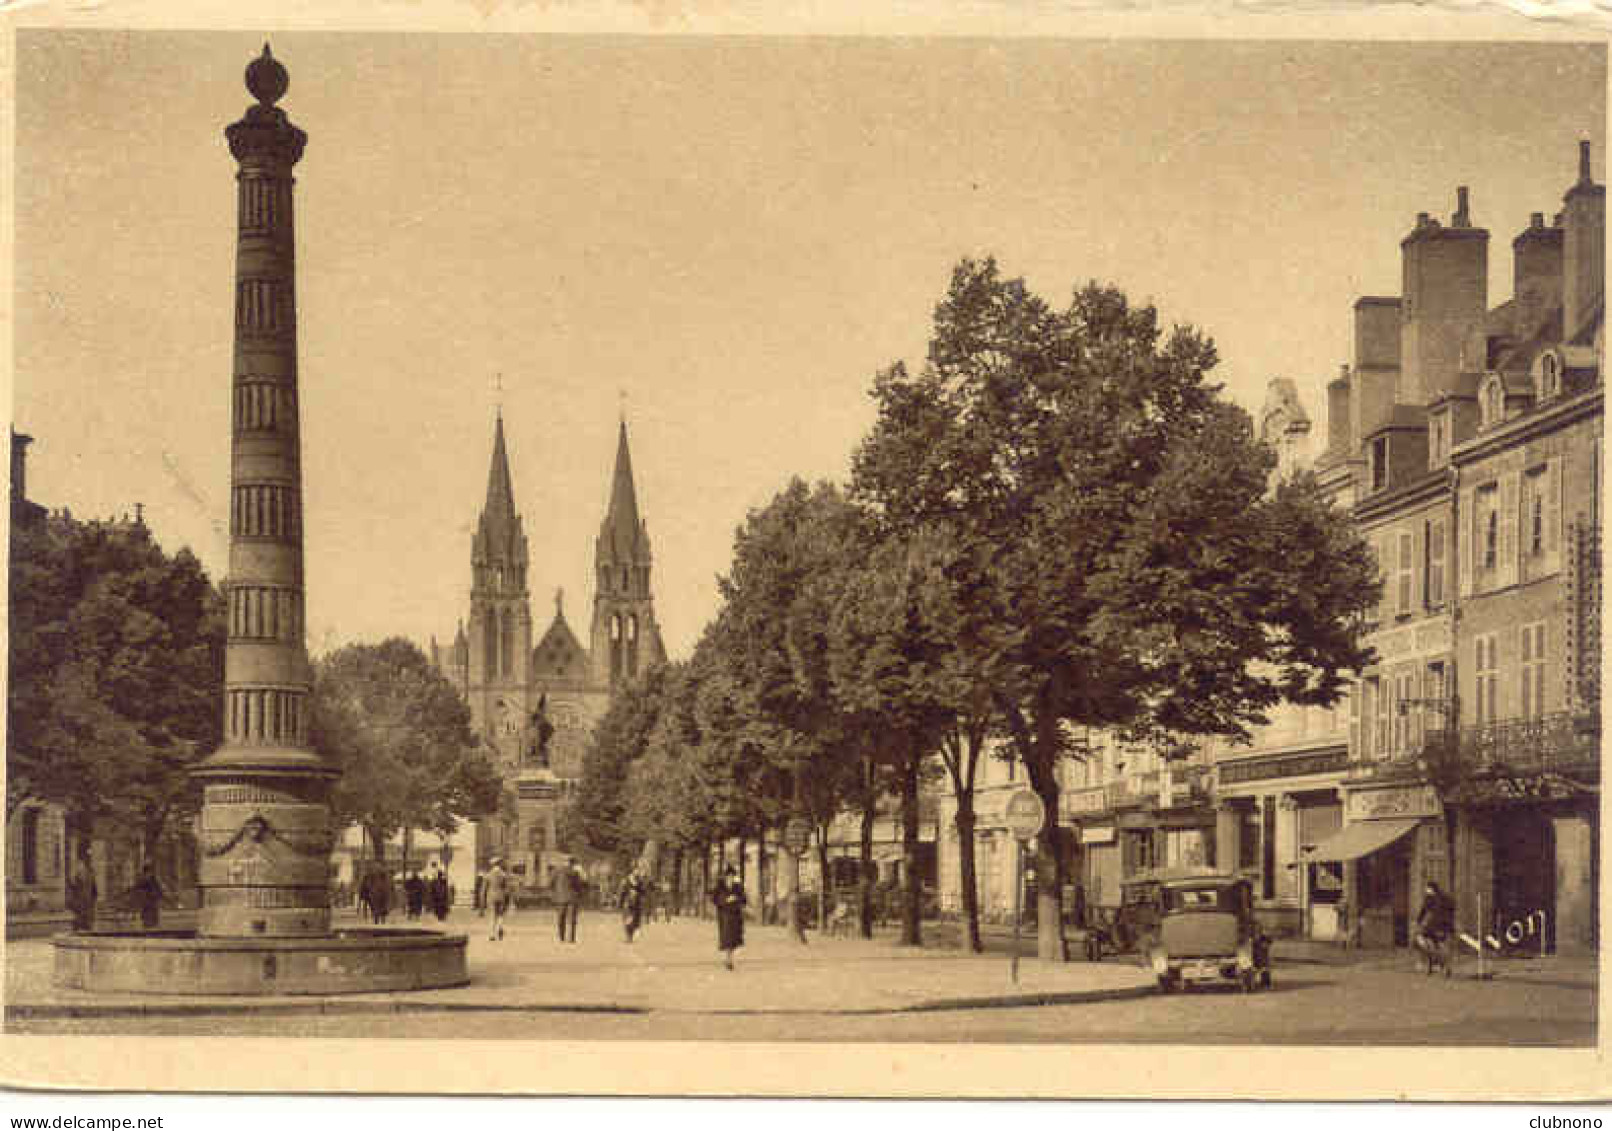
<point>266,833</point>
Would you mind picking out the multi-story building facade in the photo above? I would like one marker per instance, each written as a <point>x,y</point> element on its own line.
<point>1475,435</point>
<point>1282,789</point>
<point>514,688</point>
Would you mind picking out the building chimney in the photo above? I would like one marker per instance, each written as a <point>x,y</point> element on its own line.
<point>1583,246</point>
<point>1536,278</point>
<point>1375,373</point>
<point>19,464</point>
<point>1338,435</point>
<point>1445,293</point>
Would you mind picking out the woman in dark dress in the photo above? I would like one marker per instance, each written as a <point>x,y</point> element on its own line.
<point>729,898</point>
<point>632,905</point>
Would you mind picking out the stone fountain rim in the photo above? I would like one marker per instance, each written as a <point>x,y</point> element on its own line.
<point>410,939</point>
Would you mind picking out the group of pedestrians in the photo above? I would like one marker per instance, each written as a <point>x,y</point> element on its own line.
<point>417,892</point>
<point>495,890</point>
<point>145,896</point>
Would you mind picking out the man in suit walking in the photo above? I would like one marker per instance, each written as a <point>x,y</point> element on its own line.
<point>568,898</point>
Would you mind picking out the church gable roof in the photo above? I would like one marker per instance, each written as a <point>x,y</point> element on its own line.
<point>559,655</point>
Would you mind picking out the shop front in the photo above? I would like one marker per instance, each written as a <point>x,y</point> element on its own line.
<point>1371,871</point>
<point>1272,810</point>
<point>1529,859</point>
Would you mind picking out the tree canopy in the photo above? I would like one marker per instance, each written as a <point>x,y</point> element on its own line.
<point>400,733</point>
<point>116,673</point>
<point>1111,525</point>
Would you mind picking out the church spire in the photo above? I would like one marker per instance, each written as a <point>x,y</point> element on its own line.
<point>625,637</point>
<point>622,519</point>
<point>500,492</point>
<point>498,550</point>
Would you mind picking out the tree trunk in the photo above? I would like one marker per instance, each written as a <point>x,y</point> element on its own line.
<point>1036,741</point>
<point>764,881</point>
<point>970,877</point>
<point>864,875</point>
<point>705,876</point>
<point>677,880</point>
<point>824,878</point>
<point>911,884</point>
<point>1051,946</point>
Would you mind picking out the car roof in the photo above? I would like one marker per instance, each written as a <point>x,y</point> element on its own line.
<point>1202,879</point>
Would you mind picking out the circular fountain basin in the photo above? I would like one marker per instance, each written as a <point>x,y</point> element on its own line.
<point>182,962</point>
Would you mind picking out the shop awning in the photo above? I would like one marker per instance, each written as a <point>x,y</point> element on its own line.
<point>1360,839</point>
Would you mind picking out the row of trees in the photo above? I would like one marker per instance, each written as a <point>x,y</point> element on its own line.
<point>116,672</point>
<point>1057,523</point>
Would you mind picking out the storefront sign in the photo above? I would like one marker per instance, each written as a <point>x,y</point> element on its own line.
<point>1421,639</point>
<point>1283,766</point>
<point>1091,800</point>
<point>1403,801</point>
<point>1103,834</point>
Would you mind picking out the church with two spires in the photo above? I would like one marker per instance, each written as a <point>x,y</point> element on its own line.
<point>535,705</point>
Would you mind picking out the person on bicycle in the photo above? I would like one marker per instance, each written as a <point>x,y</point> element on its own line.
<point>1435,923</point>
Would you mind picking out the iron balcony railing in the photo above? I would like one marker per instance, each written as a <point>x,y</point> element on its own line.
<point>1565,740</point>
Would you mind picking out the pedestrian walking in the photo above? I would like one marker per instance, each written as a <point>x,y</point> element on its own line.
<point>414,893</point>
<point>567,885</point>
<point>81,897</point>
<point>633,894</point>
<point>380,895</point>
<point>478,898</point>
<point>497,893</point>
<point>439,893</point>
<point>147,894</point>
<point>730,899</point>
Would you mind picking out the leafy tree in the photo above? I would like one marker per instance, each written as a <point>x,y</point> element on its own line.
<point>116,674</point>
<point>401,736</point>
<point>1110,529</point>
<point>595,815</point>
<point>773,641</point>
<point>887,651</point>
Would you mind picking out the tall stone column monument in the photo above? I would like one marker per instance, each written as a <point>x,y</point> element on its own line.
<point>264,925</point>
<point>265,822</point>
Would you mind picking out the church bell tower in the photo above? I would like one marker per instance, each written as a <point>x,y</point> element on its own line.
<point>500,636</point>
<point>625,638</point>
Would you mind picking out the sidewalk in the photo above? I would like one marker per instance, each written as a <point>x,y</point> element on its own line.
<point>672,968</point>
<point>1569,971</point>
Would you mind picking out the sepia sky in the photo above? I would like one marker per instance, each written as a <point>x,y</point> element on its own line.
<point>728,236</point>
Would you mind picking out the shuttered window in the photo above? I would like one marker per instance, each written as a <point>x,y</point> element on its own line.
<point>1533,670</point>
<point>1434,587</point>
<point>1402,582</point>
<point>1487,678</point>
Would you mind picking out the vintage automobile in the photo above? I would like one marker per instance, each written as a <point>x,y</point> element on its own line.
<point>1207,934</point>
<point>1128,928</point>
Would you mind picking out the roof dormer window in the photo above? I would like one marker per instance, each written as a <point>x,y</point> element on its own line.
<point>1492,401</point>
<point>1548,376</point>
<point>1379,463</point>
<point>1438,440</point>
